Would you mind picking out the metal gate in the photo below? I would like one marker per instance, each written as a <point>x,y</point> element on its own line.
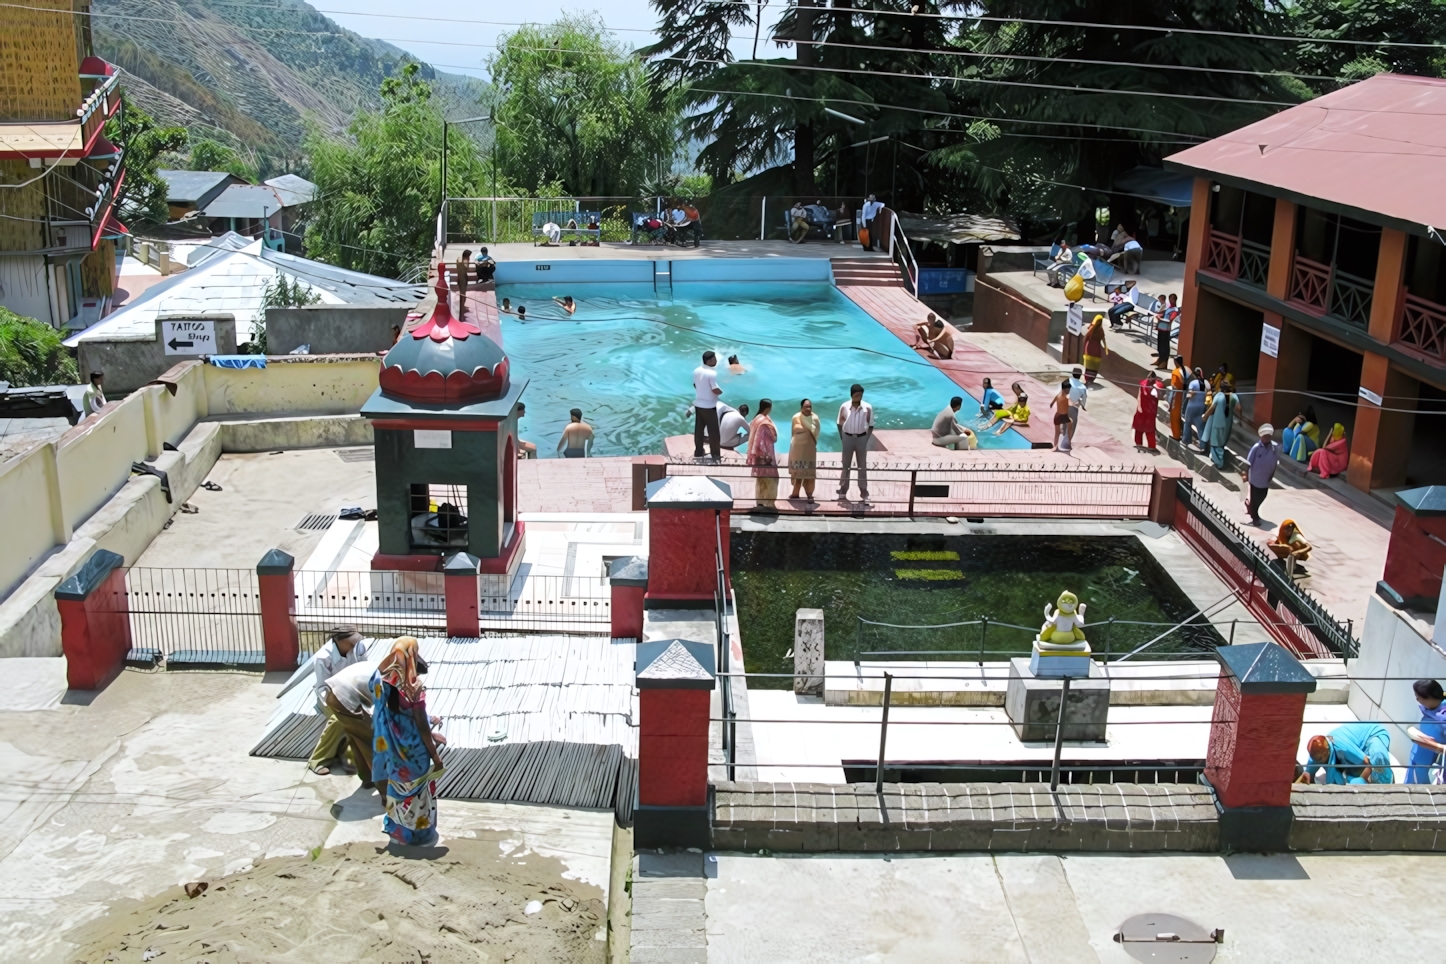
<point>204,617</point>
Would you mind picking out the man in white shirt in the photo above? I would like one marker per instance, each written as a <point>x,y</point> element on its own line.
<point>345,647</point>
<point>855,428</point>
<point>347,697</point>
<point>1078,395</point>
<point>733,424</point>
<point>705,407</point>
<point>871,210</point>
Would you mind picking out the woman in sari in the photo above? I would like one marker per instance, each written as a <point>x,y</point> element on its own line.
<point>763,454</point>
<point>1224,409</point>
<point>803,450</point>
<point>1147,411</point>
<point>1094,349</point>
<point>1178,378</point>
<point>1195,391</point>
<point>1352,753</point>
<point>1302,436</point>
<point>406,759</point>
<point>1333,457</point>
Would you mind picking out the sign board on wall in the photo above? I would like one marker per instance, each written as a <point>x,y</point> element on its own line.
<point>1270,341</point>
<point>189,337</point>
<point>1074,319</point>
<point>426,438</point>
<point>1369,395</point>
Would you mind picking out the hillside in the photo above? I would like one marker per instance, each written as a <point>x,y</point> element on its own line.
<point>249,74</point>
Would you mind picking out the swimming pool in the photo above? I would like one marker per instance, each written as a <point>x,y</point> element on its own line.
<point>627,356</point>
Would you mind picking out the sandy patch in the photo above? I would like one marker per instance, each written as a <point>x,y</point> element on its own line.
<point>462,901</point>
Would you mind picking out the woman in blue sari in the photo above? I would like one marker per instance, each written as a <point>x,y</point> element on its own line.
<point>406,759</point>
<point>1352,753</point>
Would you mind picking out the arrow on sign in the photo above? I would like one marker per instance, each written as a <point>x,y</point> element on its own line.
<point>180,344</point>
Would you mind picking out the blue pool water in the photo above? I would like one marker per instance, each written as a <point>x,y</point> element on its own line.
<point>626,358</point>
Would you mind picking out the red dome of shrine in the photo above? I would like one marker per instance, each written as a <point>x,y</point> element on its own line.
<point>445,359</point>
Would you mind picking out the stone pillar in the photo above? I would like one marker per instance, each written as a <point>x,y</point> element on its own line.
<point>688,519</point>
<point>95,623</point>
<point>1163,489</point>
<point>463,595</point>
<point>808,652</point>
<point>1254,735</point>
<point>675,679</point>
<point>276,585</point>
<point>628,577</point>
<point>1417,553</point>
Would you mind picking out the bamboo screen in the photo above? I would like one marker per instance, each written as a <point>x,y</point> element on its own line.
<point>39,73</point>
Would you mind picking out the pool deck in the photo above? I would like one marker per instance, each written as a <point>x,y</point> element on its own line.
<point>621,250</point>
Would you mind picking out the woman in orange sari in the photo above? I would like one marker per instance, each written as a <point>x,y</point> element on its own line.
<point>1332,457</point>
<point>1094,349</point>
<point>1178,377</point>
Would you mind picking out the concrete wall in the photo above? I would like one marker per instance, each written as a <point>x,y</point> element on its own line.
<point>62,500</point>
<point>130,362</point>
<point>332,329</point>
<point>997,309</point>
<point>1396,646</point>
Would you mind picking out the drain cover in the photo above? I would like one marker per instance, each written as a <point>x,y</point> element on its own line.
<point>1165,937</point>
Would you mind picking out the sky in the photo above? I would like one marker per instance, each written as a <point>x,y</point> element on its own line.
<point>457,44</point>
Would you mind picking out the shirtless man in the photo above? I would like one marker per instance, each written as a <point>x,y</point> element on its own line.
<point>935,337</point>
<point>735,367</point>
<point>576,441</point>
<point>566,303</point>
<point>1062,423</point>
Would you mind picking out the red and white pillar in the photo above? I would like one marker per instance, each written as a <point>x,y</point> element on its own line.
<point>628,578</point>
<point>675,679</point>
<point>95,622</point>
<point>688,519</point>
<point>1254,735</point>
<point>463,595</point>
<point>276,585</point>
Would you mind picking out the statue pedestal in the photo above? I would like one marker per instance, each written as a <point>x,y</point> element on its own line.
<point>1032,704</point>
<point>1056,662</point>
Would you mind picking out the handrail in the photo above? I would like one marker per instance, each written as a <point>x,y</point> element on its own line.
<point>910,265</point>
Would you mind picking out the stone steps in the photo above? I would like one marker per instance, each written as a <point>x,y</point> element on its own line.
<point>866,272</point>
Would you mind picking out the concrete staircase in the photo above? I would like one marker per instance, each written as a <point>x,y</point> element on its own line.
<point>866,272</point>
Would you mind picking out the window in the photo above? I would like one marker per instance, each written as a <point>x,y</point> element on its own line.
<point>438,516</point>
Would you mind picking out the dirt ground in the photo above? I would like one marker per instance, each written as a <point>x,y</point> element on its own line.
<point>461,901</point>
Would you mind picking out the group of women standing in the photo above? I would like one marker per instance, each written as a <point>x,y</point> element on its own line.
<point>802,452</point>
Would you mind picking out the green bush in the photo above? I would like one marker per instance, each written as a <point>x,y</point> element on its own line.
<point>31,353</point>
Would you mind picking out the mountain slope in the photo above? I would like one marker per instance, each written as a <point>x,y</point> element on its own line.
<point>250,74</point>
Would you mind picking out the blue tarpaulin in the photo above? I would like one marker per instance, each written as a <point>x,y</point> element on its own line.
<point>239,361</point>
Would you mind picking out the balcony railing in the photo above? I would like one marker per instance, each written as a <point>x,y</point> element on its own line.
<point>1351,299</point>
<point>1423,328</point>
<point>1222,253</point>
<point>1310,285</point>
<point>1254,263</point>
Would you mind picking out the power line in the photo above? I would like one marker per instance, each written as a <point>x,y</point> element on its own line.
<point>982,18</point>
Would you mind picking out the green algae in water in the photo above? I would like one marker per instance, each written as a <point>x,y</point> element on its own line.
<point>1007,579</point>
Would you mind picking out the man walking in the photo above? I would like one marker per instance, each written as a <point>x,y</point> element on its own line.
<point>871,210</point>
<point>855,427</point>
<point>1260,463</point>
<point>705,407</point>
<point>344,648</point>
<point>1078,394</point>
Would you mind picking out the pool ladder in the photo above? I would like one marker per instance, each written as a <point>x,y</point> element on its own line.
<point>663,277</point>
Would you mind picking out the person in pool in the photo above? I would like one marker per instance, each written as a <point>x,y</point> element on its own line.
<point>567,304</point>
<point>735,367</point>
<point>577,438</point>
<point>506,308</point>
<point>521,312</point>
<point>992,401</point>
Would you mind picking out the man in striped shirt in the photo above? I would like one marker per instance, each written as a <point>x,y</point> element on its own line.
<point>855,427</point>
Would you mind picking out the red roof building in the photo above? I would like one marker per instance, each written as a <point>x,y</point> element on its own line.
<point>1314,270</point>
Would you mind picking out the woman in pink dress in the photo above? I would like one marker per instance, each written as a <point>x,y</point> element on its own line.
<point>762,454</point>
<point>1333,457</point>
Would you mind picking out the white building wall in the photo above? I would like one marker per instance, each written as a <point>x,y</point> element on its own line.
<point>1395,651</point>
<point>25,286</point>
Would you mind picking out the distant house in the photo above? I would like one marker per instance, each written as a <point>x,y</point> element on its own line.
<point>226,285</point>
<point>191,191</point>
<point>295,193</point>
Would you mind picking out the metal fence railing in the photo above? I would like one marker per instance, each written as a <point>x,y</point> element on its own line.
<point>982,489</point>
<point>1289,612</point>
<point>195,616</point>
<point>1111,640</point>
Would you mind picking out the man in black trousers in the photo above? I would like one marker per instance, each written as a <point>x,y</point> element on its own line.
<point>705,407</point>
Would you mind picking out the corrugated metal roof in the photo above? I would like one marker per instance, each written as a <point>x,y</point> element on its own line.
<point>234,282</point>
<point>188,187</point>
<point>292,189</point>
<point>1377,147</point>
<point>245,201</point>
